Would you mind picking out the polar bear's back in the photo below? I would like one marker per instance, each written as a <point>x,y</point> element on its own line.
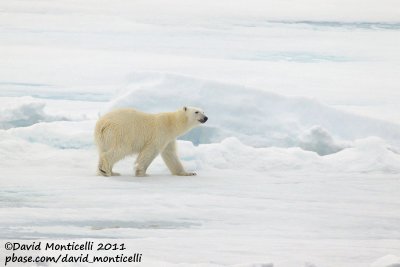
<point>127,115</point>
<point>124,129</point>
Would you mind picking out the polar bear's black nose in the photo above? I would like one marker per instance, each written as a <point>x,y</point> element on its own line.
<point>205,119</point>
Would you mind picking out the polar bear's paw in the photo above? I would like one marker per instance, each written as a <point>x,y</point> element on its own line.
<point>140,173</point>
<point>102,172</point>
<point>187,174</point>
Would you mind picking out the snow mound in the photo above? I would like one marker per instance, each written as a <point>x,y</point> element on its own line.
<point>232,154</point>
<point>319,140</point>
<point>59,134</point>
<point>41,156</point>
<point>24,112</point>
<point>368,155</point>
<point>255,117</point>
<point>387,261</point>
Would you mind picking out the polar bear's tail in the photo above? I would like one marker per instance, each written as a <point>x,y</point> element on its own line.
<point>100,135</point>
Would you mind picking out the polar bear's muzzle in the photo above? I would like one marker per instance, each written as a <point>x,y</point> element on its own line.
<point>204,119</point>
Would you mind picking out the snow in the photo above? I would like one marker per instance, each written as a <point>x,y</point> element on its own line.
<point>281,121</point>
<point>298,165</point>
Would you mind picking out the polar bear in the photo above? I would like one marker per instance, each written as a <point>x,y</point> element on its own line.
<point>124,132</point>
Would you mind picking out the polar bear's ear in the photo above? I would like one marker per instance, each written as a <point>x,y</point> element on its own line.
<point>184,108</point>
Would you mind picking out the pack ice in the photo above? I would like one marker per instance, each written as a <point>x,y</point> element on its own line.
<point>298,164</point>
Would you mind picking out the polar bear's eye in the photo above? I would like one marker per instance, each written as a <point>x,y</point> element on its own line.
<point>197,112</point>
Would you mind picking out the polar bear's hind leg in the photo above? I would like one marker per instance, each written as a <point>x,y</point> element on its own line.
<point>103,166</point>
<point>106,163</point>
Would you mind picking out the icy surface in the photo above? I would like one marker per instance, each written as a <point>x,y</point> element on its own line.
<point>298,165</point>
<point>236,207</point>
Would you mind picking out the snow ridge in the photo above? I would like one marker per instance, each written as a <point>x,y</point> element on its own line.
<point>256,117</point>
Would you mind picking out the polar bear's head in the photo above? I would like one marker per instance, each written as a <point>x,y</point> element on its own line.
<point>195,115</point>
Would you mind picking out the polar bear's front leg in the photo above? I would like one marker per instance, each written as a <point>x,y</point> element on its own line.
<point>144,159</point>
<point>172,161</point>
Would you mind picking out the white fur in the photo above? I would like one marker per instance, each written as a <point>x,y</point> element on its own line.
<point>125,132</point>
